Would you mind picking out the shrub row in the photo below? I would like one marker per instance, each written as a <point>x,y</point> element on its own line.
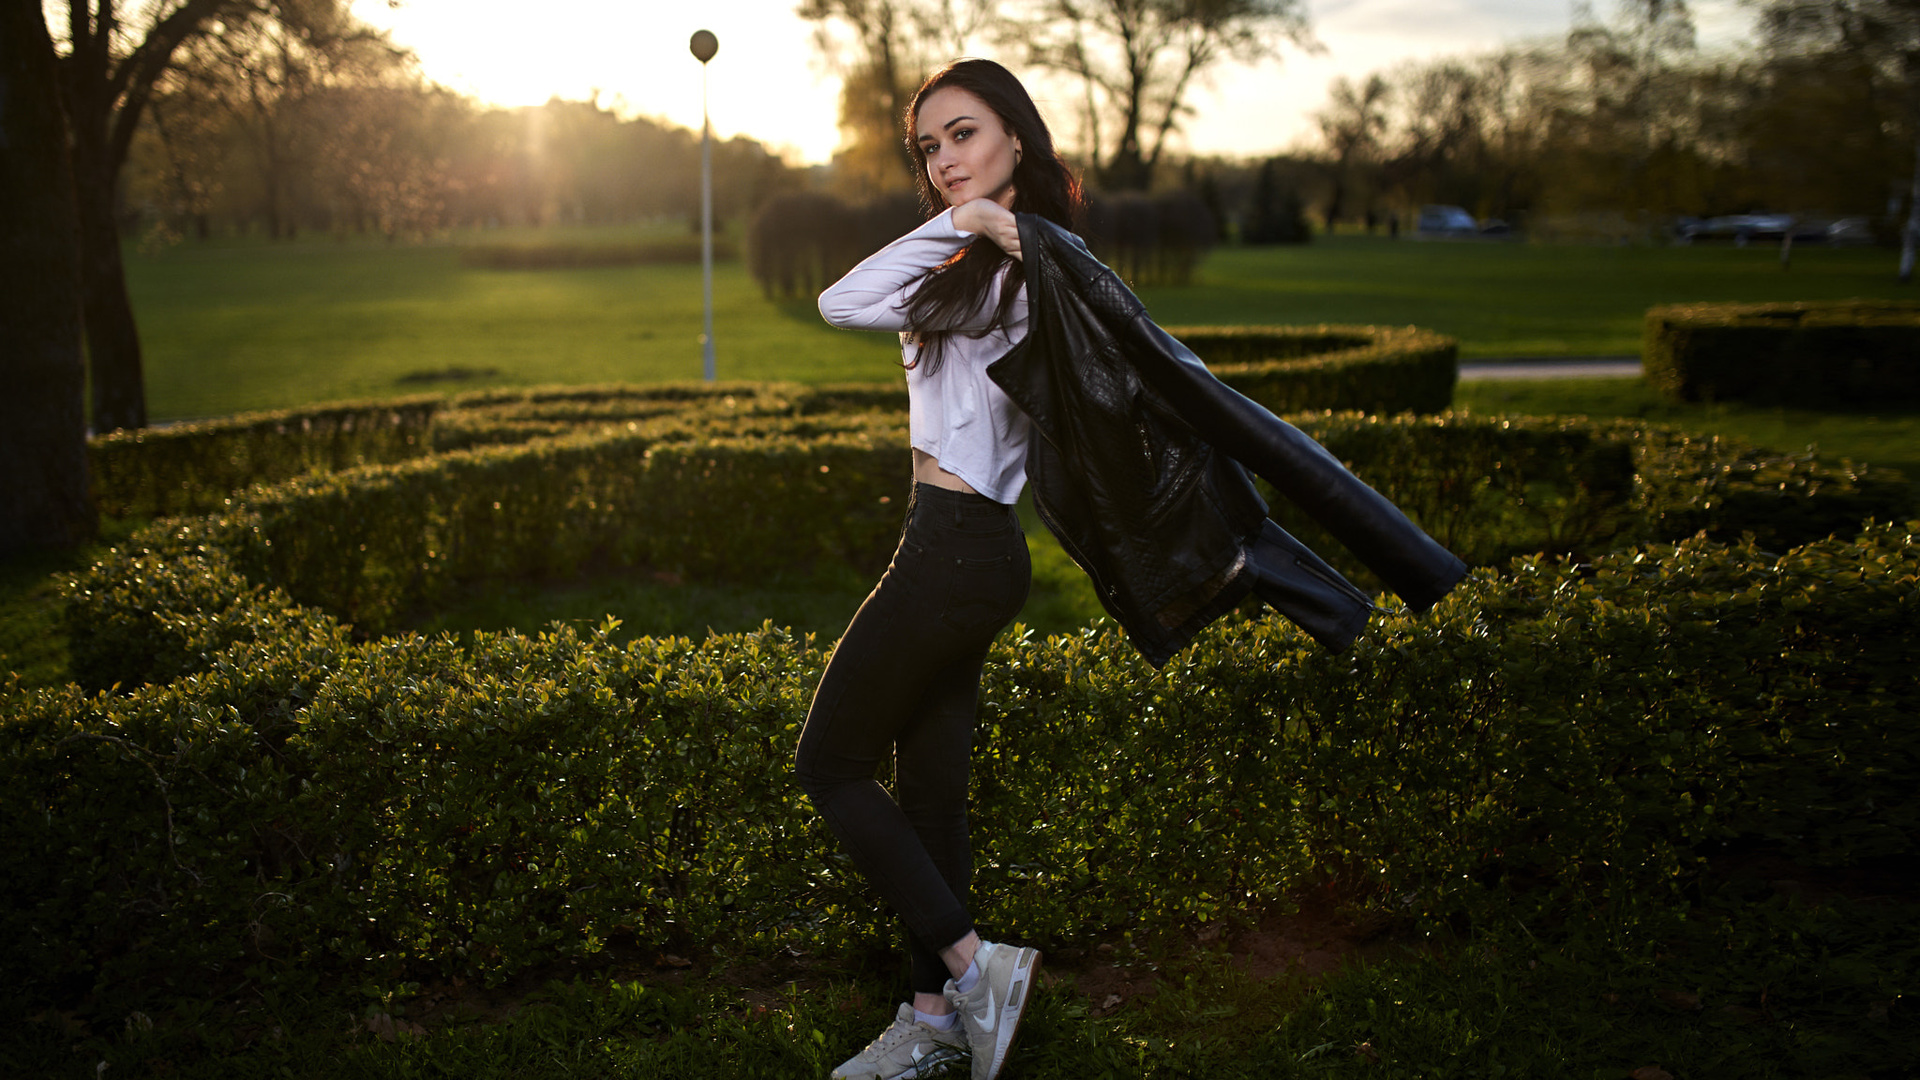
<point>801,242</point>
<point>194,466</point>
<point>1151,239</point>
<point>1493,488</point>
<point>411,805</point>
<point>511,417</point>
<point>743,495</point>
<point>375,545</point>
<point>1290,369</point>
<point>1846,352</point>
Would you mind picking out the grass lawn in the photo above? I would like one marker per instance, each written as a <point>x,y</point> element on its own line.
<point>236,325</point>
<point>1760,977</point>
<point>1509,299</point>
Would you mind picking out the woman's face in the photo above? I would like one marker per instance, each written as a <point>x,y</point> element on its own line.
<point>970,153</point>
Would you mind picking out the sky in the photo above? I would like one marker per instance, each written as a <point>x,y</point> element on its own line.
<point>768,82</point>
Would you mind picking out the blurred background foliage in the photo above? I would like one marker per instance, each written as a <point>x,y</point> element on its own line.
<point>270,120</point>
<point>301,120</point>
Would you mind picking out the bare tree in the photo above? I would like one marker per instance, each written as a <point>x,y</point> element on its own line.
<point>1138,60</point>
<point>386,156</point>
<point>43,450</point>
<point>111,64</point>
<point>1353,124</point>
<point>281,81</point>
<point>180,149</point>
<point>108,75</point>
<point>1883,37</point>
<point>1614,127</point>
<point>882,49</point>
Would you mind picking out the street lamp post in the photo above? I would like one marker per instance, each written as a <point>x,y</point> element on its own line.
<point>703,45</point>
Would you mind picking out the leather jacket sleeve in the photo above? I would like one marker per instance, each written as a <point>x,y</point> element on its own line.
<point>1409,561</point>
<point>1139,471</point>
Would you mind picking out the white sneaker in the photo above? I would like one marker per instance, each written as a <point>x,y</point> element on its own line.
<point>990,1014</point>
<point>908,1048</point>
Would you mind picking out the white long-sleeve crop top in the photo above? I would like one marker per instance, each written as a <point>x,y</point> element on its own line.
<point>956,414</point>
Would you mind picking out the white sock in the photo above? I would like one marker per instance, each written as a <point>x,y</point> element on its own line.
<point>937,1021</point>
<point>967,982</point>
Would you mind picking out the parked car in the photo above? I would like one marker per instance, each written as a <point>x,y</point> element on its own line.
<point>1445,221</point>
<point>1744,229</point>
<point>1741,229</point>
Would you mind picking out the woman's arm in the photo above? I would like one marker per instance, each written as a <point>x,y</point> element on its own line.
<point>873,295</point>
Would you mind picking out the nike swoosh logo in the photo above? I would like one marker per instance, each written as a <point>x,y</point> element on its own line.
<point>989,1018</point>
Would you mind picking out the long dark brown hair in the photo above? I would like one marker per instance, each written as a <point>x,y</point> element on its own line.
<point>1042,184</point>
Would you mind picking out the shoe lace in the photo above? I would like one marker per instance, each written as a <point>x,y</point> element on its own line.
<point>896,1033</point>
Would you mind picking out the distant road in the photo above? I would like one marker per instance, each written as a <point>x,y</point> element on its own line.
<point>1553,367</point>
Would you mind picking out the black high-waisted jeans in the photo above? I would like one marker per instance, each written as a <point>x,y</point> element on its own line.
<point>904,681</point>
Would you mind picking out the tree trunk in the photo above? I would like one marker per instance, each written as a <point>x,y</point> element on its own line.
<point>104,99</point>
<point>1337,200</point>
<point>1910,235</point>
<point>113,339</point>
<point>44,499</point>
<point>1127,169</point>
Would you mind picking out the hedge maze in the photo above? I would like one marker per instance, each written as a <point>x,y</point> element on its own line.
<point>254,768</point>
<point>1847,353</point>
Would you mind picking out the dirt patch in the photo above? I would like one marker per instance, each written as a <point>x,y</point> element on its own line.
<point>1305,941</point>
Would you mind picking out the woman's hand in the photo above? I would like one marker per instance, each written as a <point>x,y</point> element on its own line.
<point>988,218</point>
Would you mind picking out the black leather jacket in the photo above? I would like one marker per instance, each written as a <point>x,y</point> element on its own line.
<point>1138,471</point>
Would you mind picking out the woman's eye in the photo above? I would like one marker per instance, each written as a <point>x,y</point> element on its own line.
<point>961,134</point>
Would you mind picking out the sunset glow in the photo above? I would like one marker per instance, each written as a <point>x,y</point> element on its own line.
<point>769,83</point>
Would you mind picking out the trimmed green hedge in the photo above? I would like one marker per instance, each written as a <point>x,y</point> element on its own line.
<point>1491,488</point>
<point>272,790</point>
<point>374,546</point>
<point>410,805</point>
<point>1289,369</point>
<point>732,494</point>
<point>1846,352</point>
<point>194,467</point>
<point>270,787</point>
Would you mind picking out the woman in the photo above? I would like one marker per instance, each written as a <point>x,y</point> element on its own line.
<point>904,679</point>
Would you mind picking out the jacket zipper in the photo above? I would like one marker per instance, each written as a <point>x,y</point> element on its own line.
<point>1338,584</point>
<point>1079,557</point>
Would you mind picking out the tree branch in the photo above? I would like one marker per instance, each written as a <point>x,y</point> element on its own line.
<point>158,782</point>
<point>131,84</point>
